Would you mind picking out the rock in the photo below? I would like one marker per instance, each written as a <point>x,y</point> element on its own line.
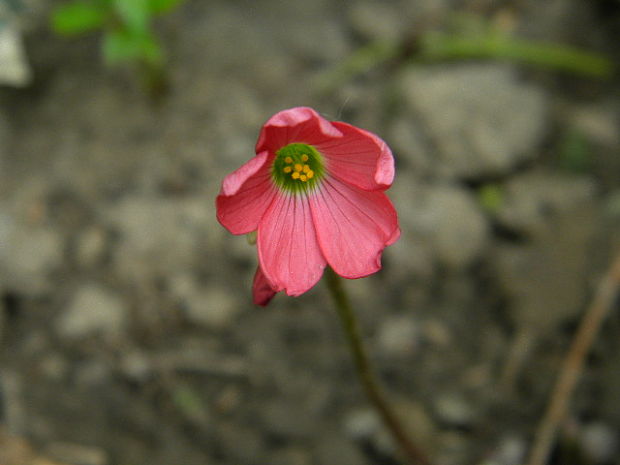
<point>212,306</point>
<point>332,448</point>
<point>600,442</point>
<point>529,201</point>
<point>478,118</point>
<point>361,423</point>
<point>28,255</point>
<point>77,454</point>
<point>546,278</point>
<point>377,21</point>
<point>158,236</point>
<point>364,424</point>
<point>14,68</point>
<point>511,450</point>
<point>286,419</point>
<point>453,410</point>
<point>91,247</point>
<point>93,311</point>
<point>443,219</point>
<point>398,336</point>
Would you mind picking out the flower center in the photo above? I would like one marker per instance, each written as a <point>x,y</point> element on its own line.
<point>297,167</point>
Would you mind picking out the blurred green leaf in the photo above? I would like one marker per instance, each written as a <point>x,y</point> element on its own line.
<point>78,17</point>
<point>123,46</point>
<point>163,6</point>
<point>491,197</point>
<point>135,14</point>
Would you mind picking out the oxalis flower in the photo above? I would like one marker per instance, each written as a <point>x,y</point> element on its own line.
<point>314,193</point>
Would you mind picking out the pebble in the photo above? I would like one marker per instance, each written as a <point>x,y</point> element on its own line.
<point>528,201</point>
<point>447,220</point>
<point>398,336</point>
<point>600,442</point>
<point>78,454</point>
<point>212,306</point>
<point>453,410</point>
<point>332,448</point>
<point>28,255</point>
<point>91,247</point>
<point>93,310</point>
<point>462,109</point>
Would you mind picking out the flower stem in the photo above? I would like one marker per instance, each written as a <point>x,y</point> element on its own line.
<point>366,373</point>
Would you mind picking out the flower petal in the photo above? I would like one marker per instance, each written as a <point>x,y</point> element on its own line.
<point>299,124</point>
<point>262,290</point>
<point>359,158</point>
<point>288,250</point>
<point>245,195</point>
<point>353,227</point>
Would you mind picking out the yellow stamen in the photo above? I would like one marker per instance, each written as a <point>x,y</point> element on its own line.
<point>303,177</point>
<point>298,167</point>
<point>304,157</point>
<point>306,168</point>
<point>288,160</point>
<point>310,174</point>
<point>287,169</point>
<point>295,175</point>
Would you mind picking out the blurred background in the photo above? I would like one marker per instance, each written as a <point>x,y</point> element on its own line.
<point>127,332</point>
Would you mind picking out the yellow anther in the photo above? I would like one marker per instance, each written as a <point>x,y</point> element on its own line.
<point>304,157</point>
<point>288,160</point>
<point>306,168</point>
<point>310,174</point>
<point>287,169</point>
<point>297,167</point>
<point>295,175</point>
<point>303,177</point>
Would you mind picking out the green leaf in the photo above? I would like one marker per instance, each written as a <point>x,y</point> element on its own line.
<point>118,47</point>
<point>163,6</point>
<point>135,14</point>
<point>125,46</point>
<point>78,17</point>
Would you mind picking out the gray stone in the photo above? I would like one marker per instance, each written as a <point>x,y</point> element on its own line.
<point>600,442</point>
<point>332,448</point>
<point>443,219</point>
<point>529,201</point>
<point>93,311</point>
<point>14,68</point>
<point>211,306</point>
<point>511,450</point>
<point>91,246</point>
<point>66,452</point>
<point>158,236</point>
<point>28,255</point>
<point>454,410</point>
<point>398,336</point>
<point>361,423</point>
<point>478,118</point>
<point>547,277</point>
<point>377,20</point>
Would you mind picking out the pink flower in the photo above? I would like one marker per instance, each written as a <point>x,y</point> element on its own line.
<point>314,193</point>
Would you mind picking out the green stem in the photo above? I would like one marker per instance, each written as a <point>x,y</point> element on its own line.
<point>366,373</point>
<point>437,47</point>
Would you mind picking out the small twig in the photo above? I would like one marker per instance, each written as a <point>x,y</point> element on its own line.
<point>366,374</point>
<point>573,363</point>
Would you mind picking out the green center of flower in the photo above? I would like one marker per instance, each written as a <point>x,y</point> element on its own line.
<point>297,167</point>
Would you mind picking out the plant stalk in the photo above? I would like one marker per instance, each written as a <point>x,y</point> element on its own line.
<point>366,373</point>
